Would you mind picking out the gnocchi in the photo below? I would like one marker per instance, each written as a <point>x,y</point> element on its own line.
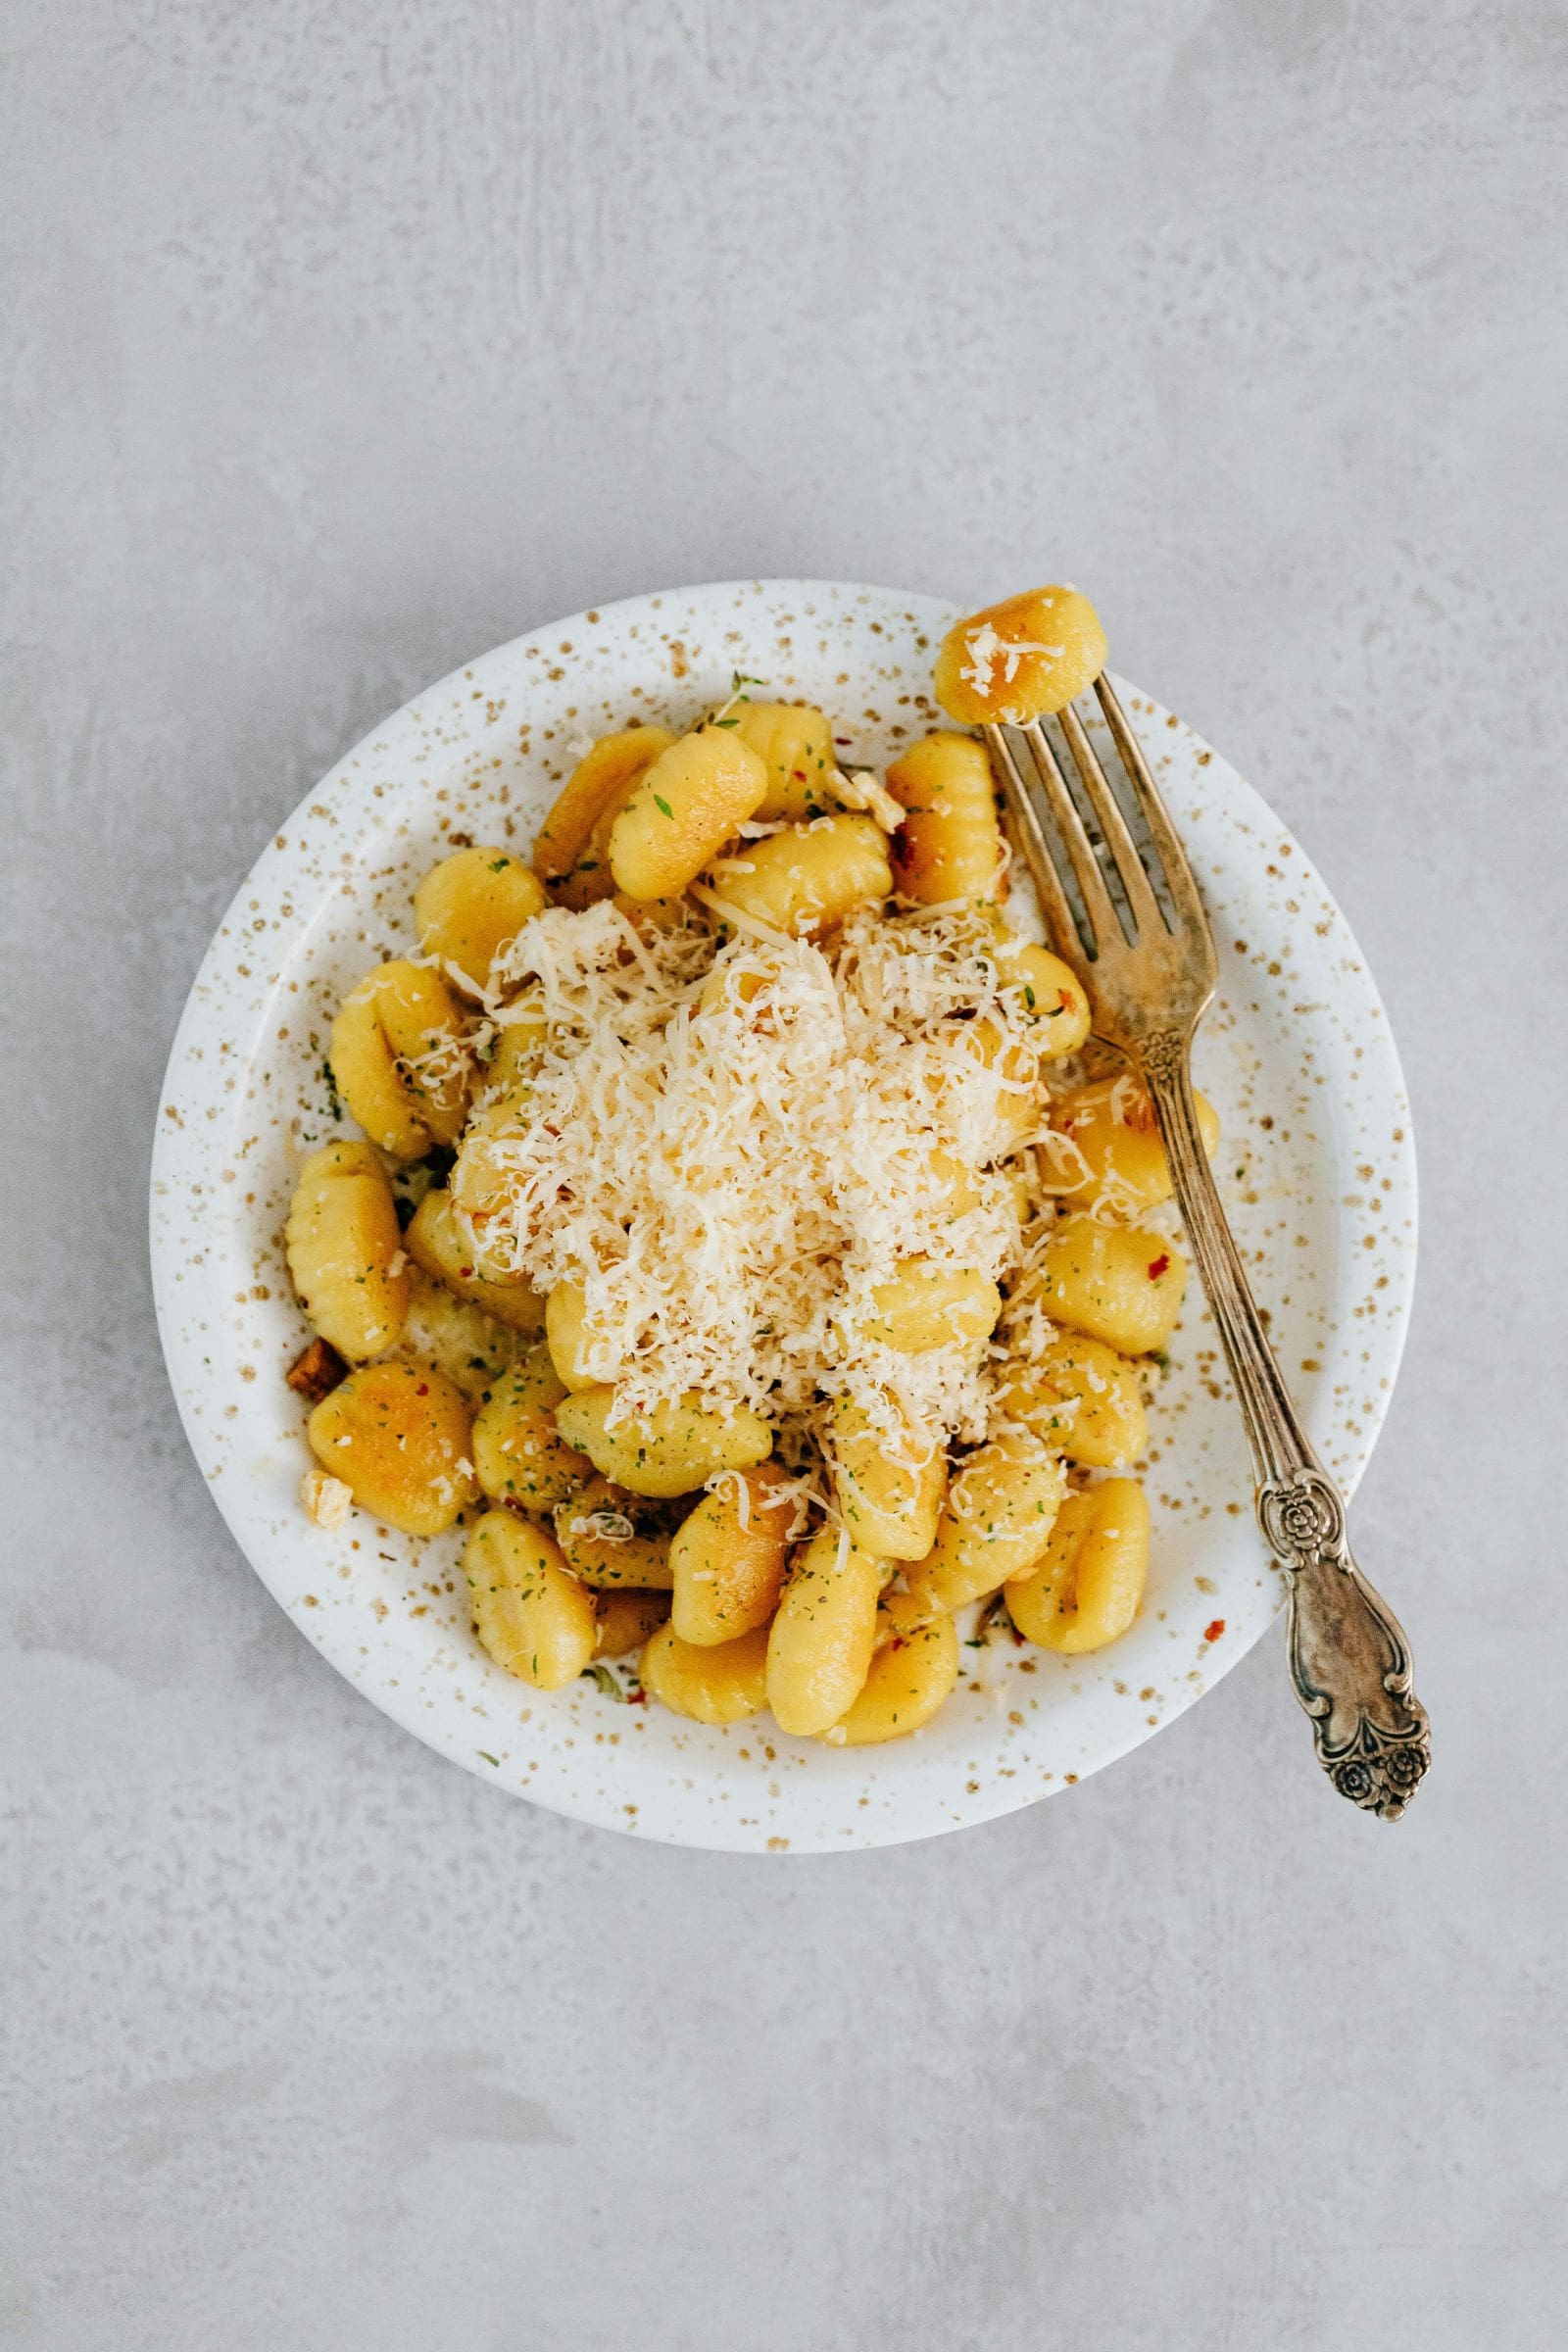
<point>908,1679</point>
<point>809,877</point>
<point>1020,659</point>
<point>721,1682</point>
<point>1081,1397</point>
<point>1118,1283</point>
<point>597,788</point>
<point>669,1452</point>
<point>950,844</point>
<point>398,1059</point>
<point>472,906</point>
<point>820,1650</point>
<point>927,1305</point>
<point>1116,1155</point>
<point>436,1242</point>
<point>685,806</point>
<point>397,1435</point>
<point>795,744</point>
<point>728,1557</point>
<point>605,1537</point>
<point>345,1252</point>
<point>996,1523</point>
<point>1084,1591</point>
<point>520,1456</point>
<point>529,1612</point>
<point>890,1494</point>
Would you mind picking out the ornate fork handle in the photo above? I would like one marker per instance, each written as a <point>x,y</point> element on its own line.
<point>1350,1660</point>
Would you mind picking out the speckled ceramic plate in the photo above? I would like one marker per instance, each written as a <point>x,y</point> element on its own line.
<point>1316,1167</point>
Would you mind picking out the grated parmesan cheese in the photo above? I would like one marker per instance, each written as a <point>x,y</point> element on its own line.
<point>730,1171</point>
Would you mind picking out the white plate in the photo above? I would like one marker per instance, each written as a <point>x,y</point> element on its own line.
<point>1316,1167</point>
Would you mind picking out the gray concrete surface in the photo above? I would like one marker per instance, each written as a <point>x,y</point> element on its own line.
<point>345,342</point>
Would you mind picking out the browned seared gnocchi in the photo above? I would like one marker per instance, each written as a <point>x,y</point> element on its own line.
<point>1120,1284</point>
<point>436,1241</point>
<point>1085,1590</point>
<point>909,1677</point>
<point>688,802</point>
<point>399,1436</point>
<point>809,877</point>
<point>1116,1155</point>
<point>721,1682</point>
<point>889,1489</point>
<point>345,1252</point>
<point>1082,1397</point>
<point>530,1613</point>
<point>397,1054</point>
<point>565,855</point>
<point>819,1650</point>
<point>520,1456</point>
<point>795,743</point>
<point>671,1451</point>
<point>996,1523</point>
<point>472,906</point>
<point>608,1537</point>
<point>728,1557</point>
<point>1020,659</point>
<point>950,844</point>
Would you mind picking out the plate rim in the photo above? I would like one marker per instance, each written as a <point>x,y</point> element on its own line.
<point>171,1142</point>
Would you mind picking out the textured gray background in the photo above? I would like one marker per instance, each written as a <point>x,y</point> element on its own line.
<point>348,341</point>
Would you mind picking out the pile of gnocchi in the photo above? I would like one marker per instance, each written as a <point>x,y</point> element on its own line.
<point>791,1519</point>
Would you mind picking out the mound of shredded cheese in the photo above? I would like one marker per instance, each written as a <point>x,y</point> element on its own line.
<point>729,1137</point>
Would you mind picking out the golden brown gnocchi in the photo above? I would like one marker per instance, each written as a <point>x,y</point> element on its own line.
<point>533,1617</point>
<point>437,1242</point>
<point>520,1456</point>
<point>709,1683</point>
<point>685,807</point>
<point>600,783</point>
<point>345,1252</point>
<point>399,1059</point>
<point>1117,1153</point>
<point>608,1537</point>
<point>910,1677</point>
<point>1084,1591</point>
<point>996,1523</point>
<point>624,1620</point>
<point>1118,1283</point>
<point>671,1451</point>
<point>399,1437</point>
<point>950,844</point>
<point>808,878</point>
<point>1020,659</point>
<point>820,1650</point>
<point>472,906</point>
<point>926,1305</point>
<point>728,1557</point>
<point>795,743</point>
<point>1082,1397</point>
<point>890,1494</point>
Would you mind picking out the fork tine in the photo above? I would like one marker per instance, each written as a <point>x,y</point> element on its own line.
<point>1172,856</point>
<point>1141,898</point>
<point>1060,921</point>
<point>1099,905</point>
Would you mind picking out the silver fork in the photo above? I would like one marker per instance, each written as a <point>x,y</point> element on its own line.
<point>1150,977</point>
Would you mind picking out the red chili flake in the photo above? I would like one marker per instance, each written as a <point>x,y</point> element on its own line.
<point>1158,1267</point>
<point>637,1696</point>
<point>1212,1633</point>
<point>423,1388</point>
